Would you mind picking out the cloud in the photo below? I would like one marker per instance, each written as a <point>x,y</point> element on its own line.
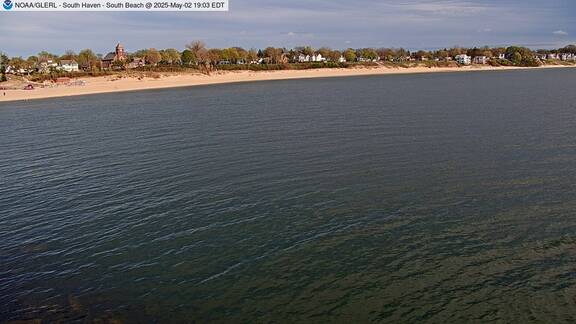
<point>445,8</point>
<point>413,24</point>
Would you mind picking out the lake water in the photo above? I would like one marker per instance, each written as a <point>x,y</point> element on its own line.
<point>432,198</point>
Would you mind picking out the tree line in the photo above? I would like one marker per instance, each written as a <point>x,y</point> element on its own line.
<point>198,54</point>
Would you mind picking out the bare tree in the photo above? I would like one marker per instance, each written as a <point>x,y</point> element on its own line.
<point>199,50</point>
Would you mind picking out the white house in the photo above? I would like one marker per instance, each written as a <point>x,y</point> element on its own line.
<point>303,58</point>
<point>463,59</point>
<point>341,59</point>
<point>318,58</point>
<point>480,60</point>
<point>567,57</point>
<point>69,66</point>
<point>46,65</point>
<point>502,56</point>
<point>13,70</point>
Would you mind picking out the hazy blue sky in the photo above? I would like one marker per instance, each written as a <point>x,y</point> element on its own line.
<point>414,24</point>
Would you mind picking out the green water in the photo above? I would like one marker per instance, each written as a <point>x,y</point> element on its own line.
<point>446,198</point>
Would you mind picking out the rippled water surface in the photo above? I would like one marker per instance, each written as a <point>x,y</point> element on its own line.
<point>433,198</point>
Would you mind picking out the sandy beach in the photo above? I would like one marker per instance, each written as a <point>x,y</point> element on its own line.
<point>108,84</point>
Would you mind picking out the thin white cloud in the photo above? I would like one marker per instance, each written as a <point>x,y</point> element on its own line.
<point>560,33</point>
<point>446,8</point>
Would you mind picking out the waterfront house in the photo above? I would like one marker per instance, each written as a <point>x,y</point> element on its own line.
<point>45,66</point>
<point>317,58</point>
<point>136,63</point>
<point>69,66</point>
<point>12,70</point>
<point>480,60</point>
<point>303,58</point>
<point>464,59</point>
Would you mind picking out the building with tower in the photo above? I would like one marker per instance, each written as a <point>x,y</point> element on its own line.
<point>118,55</point>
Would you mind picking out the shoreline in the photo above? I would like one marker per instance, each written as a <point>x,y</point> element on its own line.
<point>112,84</point>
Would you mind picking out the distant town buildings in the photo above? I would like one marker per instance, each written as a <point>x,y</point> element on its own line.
<point>463,59</point>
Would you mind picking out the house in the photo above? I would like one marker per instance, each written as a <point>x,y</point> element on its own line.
<point>13,70</point>
<point>502,56</point>
<point>364,59</point>
<point>116,56</point>
<point>69,66</point>
<point>342,59</point>
<point>567,57</point>
<point>317,58</point>
<point>552,56</point>
<point>303,58</point>
<point>136,63</point>
<point>45,66</point>
<point>480,60</point>
<point>464,59</point>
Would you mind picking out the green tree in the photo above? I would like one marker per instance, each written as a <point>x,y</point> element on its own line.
<point>455,51</point>
<point>252,55</point>
<point>3,66</point>
<point>188,57</point>
<point>242,54</point>
<point>325,52</point>
<point>31,62</point>
<point>516,58</point>
<point>45,56</point>
<point>233,55</point>
<point>350,55</point>
<point>87,59</point>
<point>170,56</point>
<point>569,49</point>
<point>153,56</point>
<point>369,54</point>
<point>17,63</point>
<point>521,56</point>
<point>335,56</point>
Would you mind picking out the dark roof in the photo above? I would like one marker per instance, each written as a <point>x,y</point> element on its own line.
<point>109,57</point>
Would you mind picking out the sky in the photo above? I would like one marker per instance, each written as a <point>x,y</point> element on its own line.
<point>339,24</point>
